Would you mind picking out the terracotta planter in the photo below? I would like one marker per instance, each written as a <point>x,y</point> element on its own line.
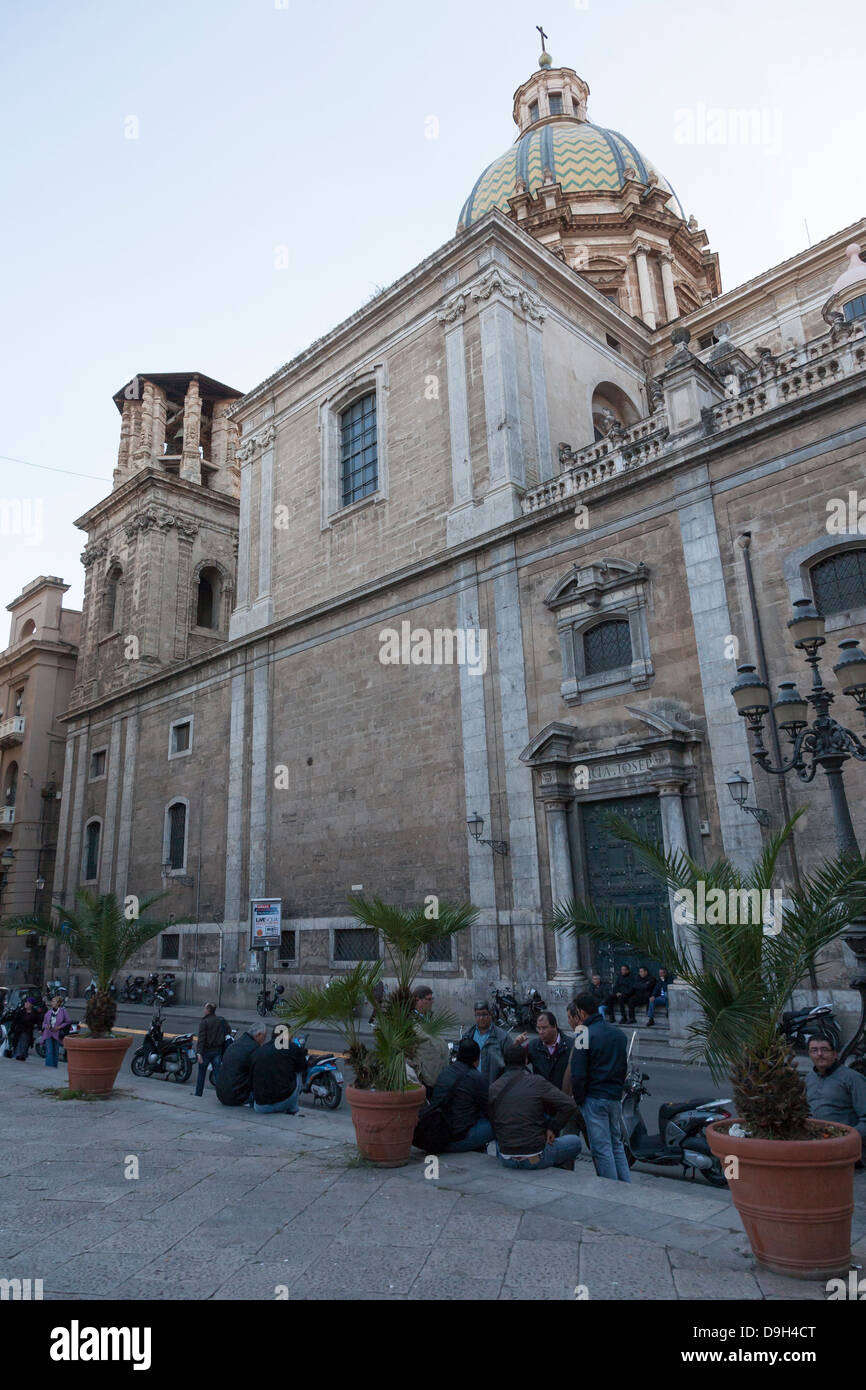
<point>95,1062</point>
<point>384,1123</point>
<point>795,1197</point>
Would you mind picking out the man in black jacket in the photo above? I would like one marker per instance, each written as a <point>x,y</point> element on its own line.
<point>599,1063</point>
<point>527,1115</point>
<point>643,991</point>
<point>277,1071</point>
<point>623,989</point>
<point>461,1091</point>
<point>212,1033</point>
<point>548,1051</point>
<point>234,1085</point>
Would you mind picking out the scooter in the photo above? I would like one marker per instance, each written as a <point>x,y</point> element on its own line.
<point>266,1003</point>
<point>799,1025</point>
<point>165,993</point>
<point>150,989</point>
<point>54,988</point>
<point>161,1056</point>
<point>681,1139</point>
<point>323,1079</point>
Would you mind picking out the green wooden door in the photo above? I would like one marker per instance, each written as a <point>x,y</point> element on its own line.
<point>617,878</point>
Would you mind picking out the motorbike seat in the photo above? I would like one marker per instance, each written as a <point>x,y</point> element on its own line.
<point>672,1108</point>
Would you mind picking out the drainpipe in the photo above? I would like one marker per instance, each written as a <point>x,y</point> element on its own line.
<point>744,543</point>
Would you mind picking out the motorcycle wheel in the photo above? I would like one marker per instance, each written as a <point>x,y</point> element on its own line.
<point>184,1071</point>
<point>335,1092</point>
<point>139,1065</point>
<point>714,1176</point>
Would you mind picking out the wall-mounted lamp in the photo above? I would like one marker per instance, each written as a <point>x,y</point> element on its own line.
<point>738,786</point>
<point>476,830</point>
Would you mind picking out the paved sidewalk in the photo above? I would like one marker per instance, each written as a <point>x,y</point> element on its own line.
<point>233,1205</point>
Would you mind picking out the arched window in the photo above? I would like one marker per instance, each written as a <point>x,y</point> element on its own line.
<point>28,629</point>
<point>208,598</point>
<point>855,308</point>
<point>11,789</point>
<point>839,582</point>
<point>611,409</point>
<point>112,609</point>
<point>19,700</point>
<point>607,647</point>
<point>92,836</point>
<point>174,840</point>
<point>359,450</point>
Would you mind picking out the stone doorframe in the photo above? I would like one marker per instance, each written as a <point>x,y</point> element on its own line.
<point>663,763</point>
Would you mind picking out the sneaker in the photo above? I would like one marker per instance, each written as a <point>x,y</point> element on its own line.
<point>650,1023</point>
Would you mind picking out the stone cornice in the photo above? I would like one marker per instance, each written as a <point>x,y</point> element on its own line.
<point>174,491</point>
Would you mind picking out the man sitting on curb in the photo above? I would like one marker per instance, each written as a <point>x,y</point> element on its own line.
<point>234,1085</point>
<point>598,1070</point>
<point>278,1070</point>
<point>527,1114</point>
<point>491,1039</point>
<point>461,1091</point>
<point>835,1092</point>
<point>658,996</point>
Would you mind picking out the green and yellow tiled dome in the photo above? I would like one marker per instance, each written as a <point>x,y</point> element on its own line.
<point>582,157</point>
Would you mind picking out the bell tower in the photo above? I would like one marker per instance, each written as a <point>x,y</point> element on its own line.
<point>161,552</point>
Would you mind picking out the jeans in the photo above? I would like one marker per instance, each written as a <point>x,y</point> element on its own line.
<point>560,1154</point>
<point>604,1127</point>
<point>22,1046</point>
<point>480,1134</point>
<point>214,1059</point>
<point>651,1006</point>
<point>52,1052</point>
<point>290,1106</point>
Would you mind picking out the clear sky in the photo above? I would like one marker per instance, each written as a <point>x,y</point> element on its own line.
<point>265,124</point>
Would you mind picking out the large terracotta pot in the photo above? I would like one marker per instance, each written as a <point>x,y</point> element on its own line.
<point>795,1197</point>
<point>95,1062</point>
<point>384,1123</point>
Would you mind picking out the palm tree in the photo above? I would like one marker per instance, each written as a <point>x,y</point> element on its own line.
<point>103,938</point>
<point>740,974</point>
<point>405,932</point>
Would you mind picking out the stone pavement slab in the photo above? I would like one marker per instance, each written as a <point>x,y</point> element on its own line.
<point>237,1206</point>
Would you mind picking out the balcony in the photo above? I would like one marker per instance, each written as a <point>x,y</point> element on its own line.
<point>12,731</point>
<point>7,817</point>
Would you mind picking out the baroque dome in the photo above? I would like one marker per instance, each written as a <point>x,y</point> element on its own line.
<point>581,158</point>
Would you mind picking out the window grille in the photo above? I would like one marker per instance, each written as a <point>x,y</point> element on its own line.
<point>839,583</point>
<point>356,943</point>
<point>607,647</point>
<point>359,455</point>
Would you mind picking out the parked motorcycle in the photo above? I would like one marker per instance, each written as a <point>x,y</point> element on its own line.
<point>92,988</point>
<point>266,1003</point>
<point>132,990</point>
<point>72,1028</point>
<point>510,1014</point>
<point>150,989</point>
<point>124,990</point>
<point>323,1079</point>
<point>53,988</point>
<point>681,1139</point>
<point>162,1056</point>
<point>799,1025</point>
<point>166,993</point>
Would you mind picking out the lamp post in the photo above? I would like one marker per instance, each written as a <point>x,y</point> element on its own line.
<point>822,743</point>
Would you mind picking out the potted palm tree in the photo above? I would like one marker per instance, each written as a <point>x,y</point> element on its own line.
<point>100,935</point>
<point>384,1100</point>
<point>791,1176</point>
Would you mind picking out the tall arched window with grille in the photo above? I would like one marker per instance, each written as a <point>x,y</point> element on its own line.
<point>176,825</point>
<point>112,605</point>
<point>92,836</point>
<point>839,582</point>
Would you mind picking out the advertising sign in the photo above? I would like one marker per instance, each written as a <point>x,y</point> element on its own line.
<point>266,923</point>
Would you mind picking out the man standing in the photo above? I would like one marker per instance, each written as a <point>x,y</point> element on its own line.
<point>431,1054</point>
<point>659,996</point>
<point>598,1071</point>
<point>212,1034</point>
<point>623,989</point>
<point>491,1039</point>
<point>461,1092</point>
<point>527,1114</point>
<point>234,1081</point>
<point>835,1092</point>
<point>548,1051</point>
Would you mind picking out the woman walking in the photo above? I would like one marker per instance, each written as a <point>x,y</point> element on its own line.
<point>54,1027</point>
<point>25,1020</point>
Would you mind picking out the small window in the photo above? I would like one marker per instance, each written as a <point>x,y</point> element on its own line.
<point>359,450</point>
<point>112,600</point>
<point>11,791</point>
<point>555,103</point>
<point>177,835</point>
<point>611,341</point>
<point>169,946</point>
<point>91,851</point>
<point>180,741</point>
<point>97,764</point>
<point>356,943</point>
<point>839,583</point>
<point>855,308</point>
<point>208,597</point>
<point>533,111</point>
<point>28,629</point>
<point>288,954</point>
<point>607,647</point>
<point>441,952</point>
<point>19,701</point>
<point>706,341</point>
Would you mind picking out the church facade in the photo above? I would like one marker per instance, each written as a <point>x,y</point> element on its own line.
<point>414,614</point>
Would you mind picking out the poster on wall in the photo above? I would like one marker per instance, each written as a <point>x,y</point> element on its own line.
<point>266,923</point>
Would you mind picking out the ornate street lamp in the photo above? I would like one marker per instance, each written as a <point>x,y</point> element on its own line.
<point>824,743</point>
<point>476,830</point>
<point>738,786</point>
